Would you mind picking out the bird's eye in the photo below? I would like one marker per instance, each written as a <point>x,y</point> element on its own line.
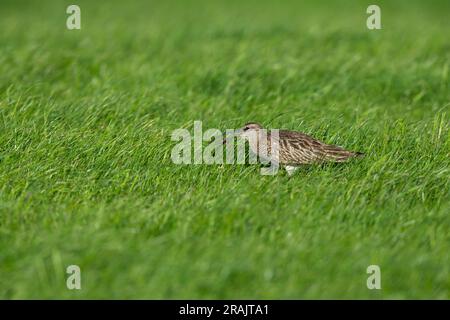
<point>246,128</point>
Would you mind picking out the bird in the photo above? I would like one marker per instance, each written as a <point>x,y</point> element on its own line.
<point>292,149</point>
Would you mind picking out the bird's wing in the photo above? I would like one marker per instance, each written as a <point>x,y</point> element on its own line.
<point>298,147</point>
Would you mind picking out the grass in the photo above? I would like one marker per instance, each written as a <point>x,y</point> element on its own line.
<point>86,176</point>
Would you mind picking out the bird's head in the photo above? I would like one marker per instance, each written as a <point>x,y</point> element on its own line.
<point>249,130</point>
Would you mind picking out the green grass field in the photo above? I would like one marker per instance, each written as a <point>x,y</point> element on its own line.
<point>86,176</point>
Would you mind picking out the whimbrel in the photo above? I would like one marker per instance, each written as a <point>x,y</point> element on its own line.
<point>293,148</point>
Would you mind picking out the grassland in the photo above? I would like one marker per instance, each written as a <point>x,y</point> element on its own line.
<point>86,176</point>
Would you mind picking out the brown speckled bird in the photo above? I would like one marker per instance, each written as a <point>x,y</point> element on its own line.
<point>292,148</point>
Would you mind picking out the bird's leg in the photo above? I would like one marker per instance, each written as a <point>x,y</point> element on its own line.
<point>290,170</point>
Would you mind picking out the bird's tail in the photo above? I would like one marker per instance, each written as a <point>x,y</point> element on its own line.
<point>338,154</point>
